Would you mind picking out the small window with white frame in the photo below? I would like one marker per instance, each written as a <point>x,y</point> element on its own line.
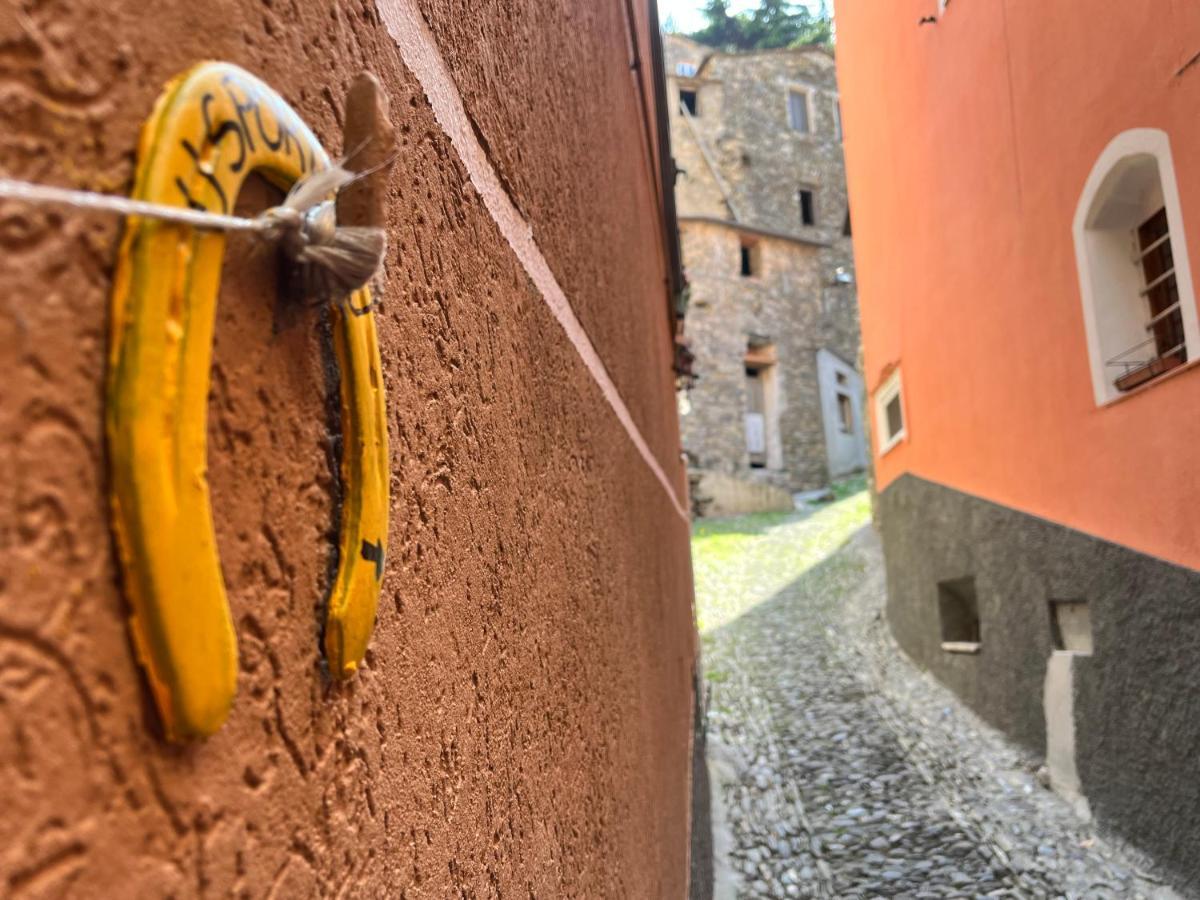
<point>799,109</point>
<point>1135,280</point>
<point>889,413</point>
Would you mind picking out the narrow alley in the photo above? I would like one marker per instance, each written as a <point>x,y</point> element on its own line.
<point>840,770</point>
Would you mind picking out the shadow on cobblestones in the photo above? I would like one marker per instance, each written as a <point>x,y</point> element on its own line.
<point>842,771</point>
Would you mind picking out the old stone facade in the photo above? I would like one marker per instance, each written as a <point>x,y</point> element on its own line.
<point>765,228</point>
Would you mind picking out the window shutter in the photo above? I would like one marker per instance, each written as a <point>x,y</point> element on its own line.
<point>798,111</point>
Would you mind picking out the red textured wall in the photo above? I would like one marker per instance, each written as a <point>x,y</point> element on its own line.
<point>968,144</point>
<point>521,725</point>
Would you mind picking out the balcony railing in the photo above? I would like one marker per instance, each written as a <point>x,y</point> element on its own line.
<point>1143,362</point>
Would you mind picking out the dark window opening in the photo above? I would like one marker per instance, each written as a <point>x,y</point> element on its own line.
<point>751,260</point>
<point>841,377</point>
<point>846,231</point>
<point>958,614</point>
<point>845,413</point>
<point>1071,625</point>
<point>807,207</point>
<point>895,417</point>
<point>687,100</point>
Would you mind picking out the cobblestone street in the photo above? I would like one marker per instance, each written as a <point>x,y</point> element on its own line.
<point>838,769</point>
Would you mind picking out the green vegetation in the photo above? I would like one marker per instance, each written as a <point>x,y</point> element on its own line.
<point>843,489</point>
<point>741,562</point>
<point>775,23</point>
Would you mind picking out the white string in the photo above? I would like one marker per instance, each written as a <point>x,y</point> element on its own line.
<point>124,206</point>
<point>332,261</point>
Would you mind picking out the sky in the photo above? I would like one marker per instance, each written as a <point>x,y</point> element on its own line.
<point>686,13</point>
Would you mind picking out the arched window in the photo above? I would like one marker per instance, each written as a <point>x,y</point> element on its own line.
<point>1135,281</point>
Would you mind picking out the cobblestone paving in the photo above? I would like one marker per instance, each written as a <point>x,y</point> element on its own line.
<point>842,771</point>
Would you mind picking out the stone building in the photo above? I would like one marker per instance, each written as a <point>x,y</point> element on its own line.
<point>765,230</point>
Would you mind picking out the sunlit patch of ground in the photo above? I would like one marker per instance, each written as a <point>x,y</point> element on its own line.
<point>743,561</point>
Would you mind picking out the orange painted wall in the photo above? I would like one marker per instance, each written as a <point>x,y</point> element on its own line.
<point>968,144</point>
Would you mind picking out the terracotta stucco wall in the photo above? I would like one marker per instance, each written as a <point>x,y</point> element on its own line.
<point>521,723</point>
<point>968,145</point>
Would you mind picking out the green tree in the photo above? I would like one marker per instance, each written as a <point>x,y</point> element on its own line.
<point>774,23</point>
<point>722,30</point>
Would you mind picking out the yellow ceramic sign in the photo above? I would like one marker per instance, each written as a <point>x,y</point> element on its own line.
<point>211,128</point>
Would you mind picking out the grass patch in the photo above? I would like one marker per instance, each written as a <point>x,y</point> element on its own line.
<point>854,485</point>
<point>740,562</point>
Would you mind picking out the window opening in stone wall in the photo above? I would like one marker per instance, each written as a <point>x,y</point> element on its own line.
<point>761,409</point>
<point>1071,626</point>
<point>688,100</point>
<point>798,111</point>
<point>845,412</point>
<point>846,230</point>
<point>756,432</point>
<point>751,259</point>
<point>808,207</point>
<point>958,615</point>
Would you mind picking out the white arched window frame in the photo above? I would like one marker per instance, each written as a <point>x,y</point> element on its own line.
<point>1109,277</point>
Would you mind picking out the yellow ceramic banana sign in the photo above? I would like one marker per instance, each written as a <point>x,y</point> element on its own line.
<point>211,128</point>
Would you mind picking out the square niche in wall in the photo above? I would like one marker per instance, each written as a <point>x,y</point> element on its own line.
<point>1071,626</point>
<point>958,615</point>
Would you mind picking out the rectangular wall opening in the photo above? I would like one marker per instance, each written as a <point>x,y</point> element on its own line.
<point>798,117</point>
<point>751,259</point>
<point>687,101</point>
<point>1071,626</point>
<point>808,207</point>
<point>756,425</point>
<point>958,615</point>
<point>845,413</point>
<point>762,411</point>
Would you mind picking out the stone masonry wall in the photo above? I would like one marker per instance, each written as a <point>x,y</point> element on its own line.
<point>741,128</point>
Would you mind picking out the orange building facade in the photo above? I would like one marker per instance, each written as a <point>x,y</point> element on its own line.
<point>1025,189</point>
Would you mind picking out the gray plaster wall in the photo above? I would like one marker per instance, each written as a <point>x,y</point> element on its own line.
<point>845,449</point>
<point>741,168</point>
<point>1136,697</point>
